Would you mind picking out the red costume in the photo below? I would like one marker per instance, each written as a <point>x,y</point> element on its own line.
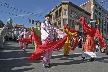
<point>89,45</point>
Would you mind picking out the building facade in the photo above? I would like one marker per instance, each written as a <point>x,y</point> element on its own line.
<point>97,13</point>
<point>1,24</point>
<point>67,13</point>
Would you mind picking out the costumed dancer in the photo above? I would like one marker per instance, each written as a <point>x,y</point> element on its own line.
<point>47,30</point>
<point>89,46</point>
<point>67,44</point>
<point>24,34</point>
<point>38,32</point>
<point>2,33</point>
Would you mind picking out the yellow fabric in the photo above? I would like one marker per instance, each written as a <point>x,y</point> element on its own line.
<point>66,48</point>
<point>35,47</point>
<point>68,41</point>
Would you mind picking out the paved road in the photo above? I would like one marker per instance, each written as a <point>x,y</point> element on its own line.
<point>13,59</point>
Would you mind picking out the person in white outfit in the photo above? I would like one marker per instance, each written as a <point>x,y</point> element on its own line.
<point>24,34</point>
<point>47,30</point>
<point>2,33</point>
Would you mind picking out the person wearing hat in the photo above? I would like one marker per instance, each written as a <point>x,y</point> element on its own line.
<point>47,33</point>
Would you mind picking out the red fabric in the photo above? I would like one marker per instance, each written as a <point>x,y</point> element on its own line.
<point>21,45</point>
<point>22,40</point>
<point>42,48</point>
<point>47,46</point>
<point>70,29</point>
<point>36,38</point>
<point>33,37</point>
<point>89,45</point>
<point>75,43</point>
<point>98,35</point>
<point>28,40</point>
<point>92,31</point>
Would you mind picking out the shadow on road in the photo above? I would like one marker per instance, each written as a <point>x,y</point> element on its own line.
<point>74,61</point>
<point>62,57</point>
<point>10,59</point>
<point>102,59</point>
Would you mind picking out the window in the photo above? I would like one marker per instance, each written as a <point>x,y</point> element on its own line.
<point>56,14</point>
<point>59,23</point>
<point>70,22</point>
<point>65,11</point>
<point>64,21</point>
<point>99,8</point>
<point>99,13</point>
<point>96,11</point>
<point>71,12</point>
<point>60,10</point>
<point>73,23</point>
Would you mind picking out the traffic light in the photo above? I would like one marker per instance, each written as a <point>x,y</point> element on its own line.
<point>97,22</point>
<point>32,21</point>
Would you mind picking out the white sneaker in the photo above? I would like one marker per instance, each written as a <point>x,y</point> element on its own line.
<point>46,66</point>
<point>23,48</point>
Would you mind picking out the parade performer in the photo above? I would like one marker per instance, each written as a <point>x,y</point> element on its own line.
<point>2,33</point>
<point>24,34</point>
<point>38,31</point>
<point>72,32</point>
<point>89,45</point>
<point>67,44</point>
<point>48,45</point>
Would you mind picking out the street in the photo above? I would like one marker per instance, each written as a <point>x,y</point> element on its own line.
<point>13,59</point>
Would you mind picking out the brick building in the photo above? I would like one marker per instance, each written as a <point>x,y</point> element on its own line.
<point>67,13</point>
<point>97,13</point>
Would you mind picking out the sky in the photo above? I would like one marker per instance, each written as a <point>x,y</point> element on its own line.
<point>22,10</point>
